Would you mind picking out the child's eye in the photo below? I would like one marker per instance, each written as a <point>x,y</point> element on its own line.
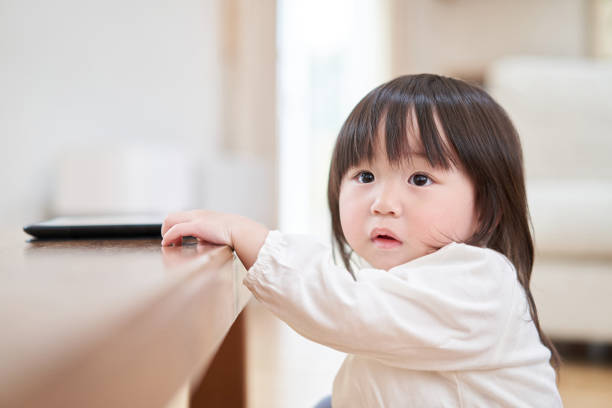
<point>420,180</point>
<point>365,177</point>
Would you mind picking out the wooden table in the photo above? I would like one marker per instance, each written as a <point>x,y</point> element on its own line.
<point>119,323</point>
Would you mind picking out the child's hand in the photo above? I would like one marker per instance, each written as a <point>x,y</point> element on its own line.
<point>242,234</point>
<point>214,228</point>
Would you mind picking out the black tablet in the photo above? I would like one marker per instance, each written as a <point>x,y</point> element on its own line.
<point>98,226</point>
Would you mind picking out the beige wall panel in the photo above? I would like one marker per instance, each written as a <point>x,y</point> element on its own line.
<point>463,37</point>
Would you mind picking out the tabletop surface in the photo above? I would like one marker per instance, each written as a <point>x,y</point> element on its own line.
<point>78,314</point>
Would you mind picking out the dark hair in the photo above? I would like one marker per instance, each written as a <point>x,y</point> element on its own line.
<point>479,136</point>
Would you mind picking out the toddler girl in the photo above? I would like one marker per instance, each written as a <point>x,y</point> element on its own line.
<point>426,193</point>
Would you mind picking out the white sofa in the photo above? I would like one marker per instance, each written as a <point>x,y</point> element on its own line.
<point>562,109</point>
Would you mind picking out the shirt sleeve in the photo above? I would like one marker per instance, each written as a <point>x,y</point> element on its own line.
<point>445,311</point>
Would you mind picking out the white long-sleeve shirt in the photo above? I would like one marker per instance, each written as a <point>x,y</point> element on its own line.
<point>449,329</point>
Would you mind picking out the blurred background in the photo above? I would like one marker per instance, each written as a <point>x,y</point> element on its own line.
<point>153,106</point>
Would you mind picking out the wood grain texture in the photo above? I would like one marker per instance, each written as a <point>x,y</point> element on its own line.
<point>110,322</point>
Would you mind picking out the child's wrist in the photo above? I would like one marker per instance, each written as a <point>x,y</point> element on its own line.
<point>238,227</point>
<point>247,238</point>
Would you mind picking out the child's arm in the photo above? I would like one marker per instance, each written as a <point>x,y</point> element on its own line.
<point>447,311</point>
<point>244,235</point>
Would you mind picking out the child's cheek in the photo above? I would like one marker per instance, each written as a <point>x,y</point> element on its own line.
<point>347,210</point>
<point>432,227</point>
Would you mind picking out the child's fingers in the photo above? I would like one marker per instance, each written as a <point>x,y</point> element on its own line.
<point>175,234</point>
<point>176,218</point>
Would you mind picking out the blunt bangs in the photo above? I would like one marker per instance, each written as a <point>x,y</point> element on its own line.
<point>396,113</point>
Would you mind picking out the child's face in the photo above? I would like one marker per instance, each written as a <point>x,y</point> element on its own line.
<point>391,215</point>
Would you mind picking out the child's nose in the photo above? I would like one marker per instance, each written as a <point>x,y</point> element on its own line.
<point>386,203</point>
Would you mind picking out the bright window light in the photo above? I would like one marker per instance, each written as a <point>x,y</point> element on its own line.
<point>331,53</point>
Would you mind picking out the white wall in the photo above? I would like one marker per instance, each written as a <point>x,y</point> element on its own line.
<point>105,75</point>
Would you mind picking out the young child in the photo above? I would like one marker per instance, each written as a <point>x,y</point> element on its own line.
<point>426,186</point>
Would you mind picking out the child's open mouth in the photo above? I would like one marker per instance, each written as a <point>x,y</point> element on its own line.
<point>384,239</point>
